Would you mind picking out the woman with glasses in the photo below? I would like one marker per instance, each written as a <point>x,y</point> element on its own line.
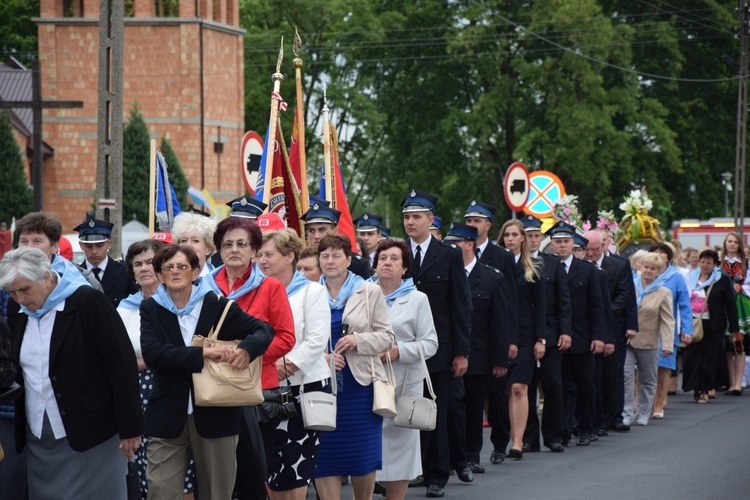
<point>182,307</point>
<point>238,240</point>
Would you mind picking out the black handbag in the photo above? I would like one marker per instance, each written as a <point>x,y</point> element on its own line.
<point>278,404</point>
<point>133,483</point>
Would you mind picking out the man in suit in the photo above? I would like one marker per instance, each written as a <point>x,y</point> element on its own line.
<point>625,324</point>
<point>587,328</point>
<point>368,228</point>
<point>489,338</point>
<point>549,371</point>
<point>481,215</point>
<point>321,220</point>
<point>438,271</point>
<point>95,237</point>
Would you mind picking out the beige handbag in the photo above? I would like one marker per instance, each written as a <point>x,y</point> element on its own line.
<point>383,391</point>
<point>218,383</point>
<point>417,412</point>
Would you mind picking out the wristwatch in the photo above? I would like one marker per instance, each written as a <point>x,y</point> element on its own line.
<point>542,341</point>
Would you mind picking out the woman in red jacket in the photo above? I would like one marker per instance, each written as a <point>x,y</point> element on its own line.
<point>238,240</point>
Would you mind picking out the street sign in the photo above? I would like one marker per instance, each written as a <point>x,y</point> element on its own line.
<point>545,188</point>
<point>107,203</point>
<point>250,153</point>
<point>516,186</point>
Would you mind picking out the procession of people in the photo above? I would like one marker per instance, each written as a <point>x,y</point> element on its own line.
<point>547,335</point>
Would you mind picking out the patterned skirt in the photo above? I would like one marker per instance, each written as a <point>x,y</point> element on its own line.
<point>740,345</point>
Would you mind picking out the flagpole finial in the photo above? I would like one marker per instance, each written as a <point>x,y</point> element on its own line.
<point>296,46</point>
<point>278,76</point>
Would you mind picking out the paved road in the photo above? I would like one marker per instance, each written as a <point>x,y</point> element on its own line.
<point>695,452</point>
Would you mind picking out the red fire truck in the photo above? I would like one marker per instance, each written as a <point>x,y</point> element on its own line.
<point>705,233</point>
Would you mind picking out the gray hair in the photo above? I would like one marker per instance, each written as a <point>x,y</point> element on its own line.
<point>30,264</point>
<point>188,222</point>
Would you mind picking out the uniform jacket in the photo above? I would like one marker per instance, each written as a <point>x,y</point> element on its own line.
<point>116,283</point>
<point>631,307</point>
<point>531,309</point>
<point>173,364</point>
<point>92,369</point>
<point>502,259</point>
<point>656,321</point>
<point>587,307</point>
<point>360,266</point>
<point>372,330</point>
<point>442,277</point>
<point>489,321</point>
<point>608,336</point>
<point>557,298</point>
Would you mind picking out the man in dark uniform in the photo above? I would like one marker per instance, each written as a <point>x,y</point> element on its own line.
<point>385,232</point>
<point>549,371</point>
<point>321,220</point>
<point>438,271</point>
<point>481,216</point>
<point>489,337</point>
<point>587,329</point>
<point>246,207</point>
<point>368,228</point>
<point>95,237</point>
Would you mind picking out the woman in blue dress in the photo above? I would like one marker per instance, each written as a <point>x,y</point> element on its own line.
<point>360,331</point>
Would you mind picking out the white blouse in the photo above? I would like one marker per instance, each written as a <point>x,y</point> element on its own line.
<point>312,327</point>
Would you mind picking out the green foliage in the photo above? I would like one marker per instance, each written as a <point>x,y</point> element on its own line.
<point>18,199</point>
<point>18,33</point>
<point>176,175</point>
<point>135,168</point>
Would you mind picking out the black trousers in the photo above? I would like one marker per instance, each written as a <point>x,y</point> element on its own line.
<point>476,391</point>
<point>251,458</point>
<point>457,424</point>
<point>550,375</point>
<point>435,447</point>
<point>498,414</point>
<point>613,383</point>
<point>578,371</point>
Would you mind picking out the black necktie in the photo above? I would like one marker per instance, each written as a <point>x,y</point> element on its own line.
<point>565,267</point>
<point>96,274</point>
<point>417,261</point>
<point>476,251</point>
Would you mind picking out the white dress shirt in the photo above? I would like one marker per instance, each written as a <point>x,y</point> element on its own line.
<point>470,266</point>
<point>102,265</point>
<point>481,248</point>
<point>188,323</point>
<point>567,263</point>
<point>423,246</point>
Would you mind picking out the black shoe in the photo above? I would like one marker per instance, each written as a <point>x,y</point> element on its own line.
<point>583,440</point>
<point>435,491</point>
<point>530,448</point>
<point>619,427</point>
<point>602,432</point>
<point>497,457</point>
<point>672,393</point>
<point>417,481</point>
<point>514,453</point>
<point>476,468</point>
<point>379,488</point>
<point>465,475</point>
<point>556,448</point>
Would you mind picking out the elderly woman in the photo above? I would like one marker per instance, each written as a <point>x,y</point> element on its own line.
<point>308,264</point>
<point>175,425</point>
<point>360,332</point>
<point>712,299</point>
<point>76,439</point>
<point>239,239</point>
<point>672,278</point>
<point>197,232</point>
<point>655,329</point>
<point>292,464</point>
<point>139,263</point>
<point>411,319</point>
<point>733,263</point>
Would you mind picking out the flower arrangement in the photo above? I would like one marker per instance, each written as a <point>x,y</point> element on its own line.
<point>637,203</point>
<point>607,221</point>
<point>566,209</point>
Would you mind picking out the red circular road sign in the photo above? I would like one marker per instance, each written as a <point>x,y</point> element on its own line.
<point>250,153</point>
<point>516,186</point>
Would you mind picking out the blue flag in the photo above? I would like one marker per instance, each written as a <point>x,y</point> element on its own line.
<point>167,206</point>
<point>261,182</point>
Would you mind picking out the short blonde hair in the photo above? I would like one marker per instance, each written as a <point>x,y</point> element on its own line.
<point>188,222</point>
<point>636,257</point>
<point>653,259</point>
<point>286,241</point>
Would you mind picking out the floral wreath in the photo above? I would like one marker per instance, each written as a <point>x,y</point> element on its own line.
<point>566,209</point>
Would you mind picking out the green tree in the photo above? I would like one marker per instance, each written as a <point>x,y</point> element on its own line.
<point>135,167</point>
<point>176,175</point>
<point>18,33</point>
<point>17,198</point>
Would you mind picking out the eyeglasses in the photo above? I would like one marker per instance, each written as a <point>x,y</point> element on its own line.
<point>171,267</point>
<point>239,244</point>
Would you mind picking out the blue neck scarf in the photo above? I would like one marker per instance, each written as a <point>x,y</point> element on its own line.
<point>66,285</point>
<point>640,292</point>
<point>670,271</point>
<point>132,301</point>
<point>253,281</point>
<point>696,273</point>
<point>63,266</point>
<point>406,286</point>
<point>350,285</point>
<point>298,283</point>
<point>200,289</point>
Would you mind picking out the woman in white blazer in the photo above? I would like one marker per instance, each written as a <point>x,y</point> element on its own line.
<point>295,449</point>
<point>412,323</point>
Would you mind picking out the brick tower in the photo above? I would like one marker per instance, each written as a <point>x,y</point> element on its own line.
<point>183,64</point>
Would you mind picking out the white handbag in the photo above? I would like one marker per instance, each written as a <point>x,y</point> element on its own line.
<point>417,412</point>
<point>383,391</point>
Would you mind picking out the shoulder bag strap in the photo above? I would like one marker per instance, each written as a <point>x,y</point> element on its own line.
<point>214,333</point>
<point>426,375</point>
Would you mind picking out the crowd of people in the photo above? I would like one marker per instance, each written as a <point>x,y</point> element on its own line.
<point>106,355</point>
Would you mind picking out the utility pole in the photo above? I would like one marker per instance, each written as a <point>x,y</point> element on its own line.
<point>109,120</point>
<point>739,169</point>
